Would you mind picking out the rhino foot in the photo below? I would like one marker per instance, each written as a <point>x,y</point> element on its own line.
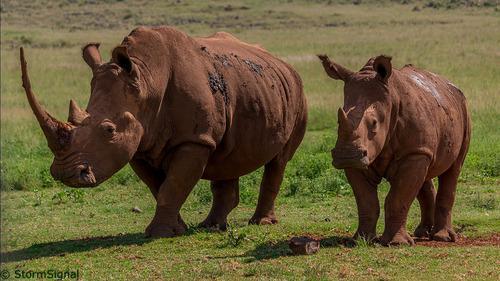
<point>401,238</point>
<point>270,219</point>
<point>368,236</point>
<point>423,231</point>
<point>162,230</point>
<point>214,223</point>
<point>445,235</point>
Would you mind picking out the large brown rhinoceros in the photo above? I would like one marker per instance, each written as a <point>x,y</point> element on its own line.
<point>180,109</point>
<point>408,126</point>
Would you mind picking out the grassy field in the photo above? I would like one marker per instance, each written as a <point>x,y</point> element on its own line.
<point>45,225</point>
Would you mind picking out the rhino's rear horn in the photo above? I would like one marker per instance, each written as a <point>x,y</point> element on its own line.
<point>76,116</point>
<point>56,132</point>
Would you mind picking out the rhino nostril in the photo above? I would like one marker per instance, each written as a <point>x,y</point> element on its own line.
<point>84,169</point>
<point>84,172</point>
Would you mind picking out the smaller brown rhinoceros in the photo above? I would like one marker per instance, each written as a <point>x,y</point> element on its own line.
<point>406,125</point>
<point>180,109</point>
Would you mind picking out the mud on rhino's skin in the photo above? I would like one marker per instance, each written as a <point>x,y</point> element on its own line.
<point>408,126</point>
<point>223,59</point>
<point>218,84</point>
<point>256,68</point>
<point>179,109</point>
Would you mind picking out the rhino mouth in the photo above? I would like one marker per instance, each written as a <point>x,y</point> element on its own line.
<point>79,175</point>
<point>357,159</point>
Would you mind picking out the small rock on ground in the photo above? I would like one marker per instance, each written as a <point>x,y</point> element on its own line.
<point>304,245</point>
<point>136,210</point>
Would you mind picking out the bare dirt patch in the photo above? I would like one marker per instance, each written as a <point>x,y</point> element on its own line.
<point>462,241</point>
<point>491,240</point>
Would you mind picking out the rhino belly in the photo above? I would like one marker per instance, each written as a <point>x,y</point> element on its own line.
<point>244,150</point>
<point>256,135</point>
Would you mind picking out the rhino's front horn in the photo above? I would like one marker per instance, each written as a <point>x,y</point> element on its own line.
<point>344,123</point>
<point>76,116</point>
<point>56,132</point>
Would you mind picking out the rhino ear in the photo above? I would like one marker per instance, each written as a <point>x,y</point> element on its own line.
<point>121,57</point>
<point>91,55</point>
<point>334,70</point>
<point>382,65</point>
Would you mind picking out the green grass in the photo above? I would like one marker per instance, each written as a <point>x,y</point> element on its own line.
<point>48,226</point>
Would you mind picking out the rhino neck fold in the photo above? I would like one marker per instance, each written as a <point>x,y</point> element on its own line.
<point>395,89</point>
<point>157,132</point>
<point>380,166</point>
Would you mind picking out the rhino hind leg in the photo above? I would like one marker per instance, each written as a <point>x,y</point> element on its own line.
<point>426,199</point>
<point>269,188</point>
<point>274,172</point>
<point>225,198</point>
<point>443,230</point>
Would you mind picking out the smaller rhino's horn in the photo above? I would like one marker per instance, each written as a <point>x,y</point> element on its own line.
<point>344,124</point>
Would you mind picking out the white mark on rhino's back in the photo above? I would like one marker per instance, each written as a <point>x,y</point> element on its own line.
<point>426,85</point>
<point>453,85</point>
<point>457,89</point>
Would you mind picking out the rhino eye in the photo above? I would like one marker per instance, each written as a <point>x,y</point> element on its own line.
<point>108,128</point>
<point>372,125</point>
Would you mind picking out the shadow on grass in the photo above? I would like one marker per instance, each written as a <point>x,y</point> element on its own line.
<point>272,250</point>
<point>61,248</point>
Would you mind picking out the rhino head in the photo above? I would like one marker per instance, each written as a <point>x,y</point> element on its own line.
<point>364,119</point>
<point>97,142</point>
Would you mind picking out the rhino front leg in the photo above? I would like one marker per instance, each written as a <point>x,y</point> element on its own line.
<point>426,199</point>
<point>367,203</point>
<point>405,186</point>
<point>185,168</point>
<point>269,188</point>
<point>226,197</point>
<point>151,176</point>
